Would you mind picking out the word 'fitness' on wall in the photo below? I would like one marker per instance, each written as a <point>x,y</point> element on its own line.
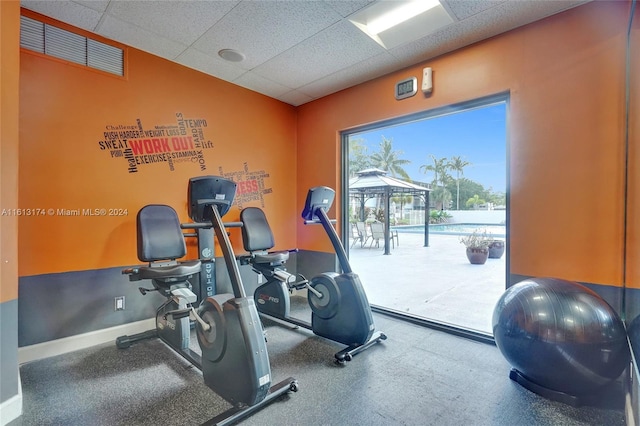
<point>182,142</point>
<point>251,186</point>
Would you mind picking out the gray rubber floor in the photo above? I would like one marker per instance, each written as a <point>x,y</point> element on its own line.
<point>418,376</point>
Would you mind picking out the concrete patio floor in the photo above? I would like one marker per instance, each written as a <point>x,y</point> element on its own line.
<point>435,282</point>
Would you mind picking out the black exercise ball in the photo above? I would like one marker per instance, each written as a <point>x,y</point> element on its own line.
<point>560,335</point>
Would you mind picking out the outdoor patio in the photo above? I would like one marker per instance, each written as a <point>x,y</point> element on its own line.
<point>435,282</point>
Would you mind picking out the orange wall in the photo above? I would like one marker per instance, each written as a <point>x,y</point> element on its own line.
<point>633,212</point>
<point>9,78</point>
<point>65,110</point>
<point>565,75</point>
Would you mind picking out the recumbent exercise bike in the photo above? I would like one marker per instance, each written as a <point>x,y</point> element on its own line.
<point>234,361</point>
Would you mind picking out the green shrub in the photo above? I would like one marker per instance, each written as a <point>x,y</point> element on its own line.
<point>438,216</point>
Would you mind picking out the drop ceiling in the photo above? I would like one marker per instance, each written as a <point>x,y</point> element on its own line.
<point>295,51</point>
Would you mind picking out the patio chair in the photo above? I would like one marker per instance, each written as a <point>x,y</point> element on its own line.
<point>355,236</point>
<point>377,233</point>
<point>393,235</point>
<point>362,233</point>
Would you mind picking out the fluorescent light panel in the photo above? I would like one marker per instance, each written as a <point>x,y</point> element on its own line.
<point>393,23</point>
<point>400,14</point>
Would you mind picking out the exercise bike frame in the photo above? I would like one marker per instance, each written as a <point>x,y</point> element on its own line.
<point>275,391</point>
<point>331,318</point>
<point>173,326</point>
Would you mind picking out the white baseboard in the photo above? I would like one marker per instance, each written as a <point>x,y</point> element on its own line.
<point>11,409</point>
<point>81,341</point>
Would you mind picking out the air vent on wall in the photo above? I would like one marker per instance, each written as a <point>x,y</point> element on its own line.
<point>53,41</point>
<point>31,34</point>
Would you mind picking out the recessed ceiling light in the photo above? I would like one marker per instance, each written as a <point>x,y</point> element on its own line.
<point>400,14</point>
<point>231,55</point>
<point>392,24</point>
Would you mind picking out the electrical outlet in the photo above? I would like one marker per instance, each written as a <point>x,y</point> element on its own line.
<point>119,303</point>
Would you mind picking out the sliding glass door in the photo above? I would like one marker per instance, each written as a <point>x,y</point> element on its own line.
<point>447,169</point>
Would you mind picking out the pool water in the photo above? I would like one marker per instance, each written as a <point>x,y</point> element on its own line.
<point>455,229</point>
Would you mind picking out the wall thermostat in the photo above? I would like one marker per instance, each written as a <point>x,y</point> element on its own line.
<point>406,88</point>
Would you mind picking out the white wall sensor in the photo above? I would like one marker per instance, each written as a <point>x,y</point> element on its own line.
<point>427,83</point>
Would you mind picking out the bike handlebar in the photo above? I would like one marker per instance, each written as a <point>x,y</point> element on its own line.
<point>204,225</point>
<point>317,222</point>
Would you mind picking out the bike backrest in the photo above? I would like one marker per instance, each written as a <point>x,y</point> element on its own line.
<point>159,234</point>
<point>256,232</point>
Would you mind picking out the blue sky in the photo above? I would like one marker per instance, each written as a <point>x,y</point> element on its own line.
<point>477,135</point>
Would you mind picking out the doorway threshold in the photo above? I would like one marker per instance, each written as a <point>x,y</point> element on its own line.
<point>436,325</point>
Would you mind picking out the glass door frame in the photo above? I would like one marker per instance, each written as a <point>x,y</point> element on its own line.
<point>503,97</point>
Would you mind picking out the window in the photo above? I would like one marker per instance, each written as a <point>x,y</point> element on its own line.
<point>459,153</point>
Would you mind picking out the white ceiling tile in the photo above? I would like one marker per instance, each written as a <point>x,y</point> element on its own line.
<point>323,54</point>
<point>260,84</point>
<point>440,42</point>
<point>65,11</point>
<point>480,26</point>
<point>132,35</point>
<point>462,9</point>
<point>210,65</point>
<point>261,30</point>
<point>309,46</point>
<point>295,98</point>
<point>363,71</point>
<point>181,21</point>
<point>99,5</point>
<point>346,8</point>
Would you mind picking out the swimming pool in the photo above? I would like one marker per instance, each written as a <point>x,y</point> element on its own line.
<point>496,230</point>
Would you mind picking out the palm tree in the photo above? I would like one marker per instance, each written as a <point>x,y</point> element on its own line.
<point>439,168</point>
<point>475,201</point>
<point>358,158</point>
<point>389,160</point>
<point>457,164</point>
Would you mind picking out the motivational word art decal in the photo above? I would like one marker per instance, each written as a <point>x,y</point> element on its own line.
<point>139,146</point>
<point>251,186</point>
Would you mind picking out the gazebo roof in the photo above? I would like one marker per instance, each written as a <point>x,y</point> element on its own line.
<point>376,181</point>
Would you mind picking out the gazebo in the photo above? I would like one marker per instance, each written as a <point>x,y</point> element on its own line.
<point>375,182</point>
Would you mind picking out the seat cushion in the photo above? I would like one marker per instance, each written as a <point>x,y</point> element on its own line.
<point>172,273</point>
<point>159,234</point>
<point>271,258</point>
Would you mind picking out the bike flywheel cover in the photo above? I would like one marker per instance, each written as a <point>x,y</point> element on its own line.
<point>326,306</point>
<point>213,342</point>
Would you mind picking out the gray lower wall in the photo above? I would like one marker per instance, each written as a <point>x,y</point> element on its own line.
<point>54,306</point>
<point>8,350</point>
<point>632,304</point>
<point>312,263</point>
